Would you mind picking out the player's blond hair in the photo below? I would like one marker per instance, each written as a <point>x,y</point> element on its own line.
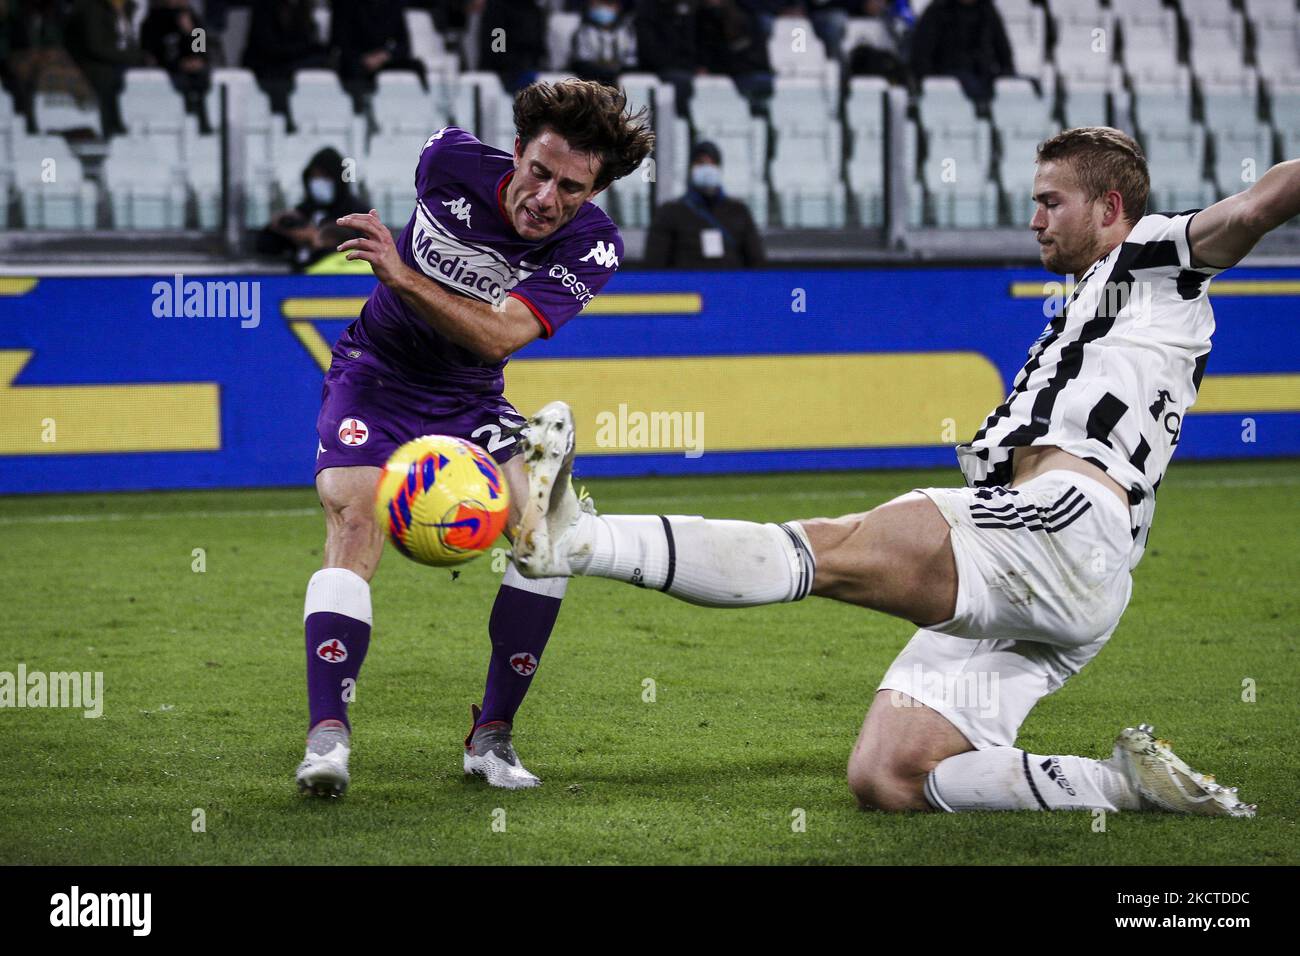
<point>592,118</point>
<point>1103,158</point>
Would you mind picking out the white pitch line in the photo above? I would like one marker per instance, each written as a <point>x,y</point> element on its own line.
<point>1281,481</point>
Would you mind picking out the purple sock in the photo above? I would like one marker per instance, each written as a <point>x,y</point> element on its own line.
<point>337,623</point>
<point>521,623</point>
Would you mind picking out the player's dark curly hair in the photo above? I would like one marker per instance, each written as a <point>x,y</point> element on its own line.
<point>1103,158</point>
<point>592,118</point>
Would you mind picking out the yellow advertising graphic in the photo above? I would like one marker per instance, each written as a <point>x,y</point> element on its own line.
<point>74,419</point>
<point>752,402</point>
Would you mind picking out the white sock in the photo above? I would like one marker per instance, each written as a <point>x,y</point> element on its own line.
<point>700,560</point>
<point>1004,778</point>
<point>340,591</point>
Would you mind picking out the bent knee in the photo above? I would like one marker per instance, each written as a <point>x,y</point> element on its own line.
<point>889,787</point>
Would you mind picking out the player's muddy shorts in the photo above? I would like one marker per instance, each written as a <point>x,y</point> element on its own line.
<point>366,414</point>
<point>1042,579</point>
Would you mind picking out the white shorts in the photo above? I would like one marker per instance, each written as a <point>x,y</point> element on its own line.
<point>1042,580</point>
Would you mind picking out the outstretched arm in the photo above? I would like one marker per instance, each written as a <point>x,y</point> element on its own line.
<point>490,333</point>
<point>1222,234</point>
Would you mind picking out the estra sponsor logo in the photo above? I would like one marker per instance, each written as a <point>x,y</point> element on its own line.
<point>576,286</point>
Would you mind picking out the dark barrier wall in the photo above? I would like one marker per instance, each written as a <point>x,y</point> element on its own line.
<point>120,383</point>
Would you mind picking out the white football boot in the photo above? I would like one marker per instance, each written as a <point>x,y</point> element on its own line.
<point>324,770</point>
<point>490,754</point>
<point>1166,783</point>
<point>543,542</point>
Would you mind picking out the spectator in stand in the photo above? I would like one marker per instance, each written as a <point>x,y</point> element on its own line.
<point>604,45</point>
<point>880,49</point>
<point>33,57</point>
<point>101,38</point>
<point>705,229</point>
<point>309,231</point>
<point>282,39</point>
<point>370,37</point>
<point>665,44</point>
<point>731,43</point>
<point>965,39</point>
<point>512,40</point>
<point>167,35</point>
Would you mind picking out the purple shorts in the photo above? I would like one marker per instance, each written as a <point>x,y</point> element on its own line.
<point>366,413</point>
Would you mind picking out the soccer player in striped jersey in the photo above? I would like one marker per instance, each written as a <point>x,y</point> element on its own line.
<point>1017,580</point>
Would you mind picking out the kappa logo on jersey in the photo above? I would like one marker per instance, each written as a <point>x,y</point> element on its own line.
<point>320,448</point>
<point>353,431</point>
<point>460,209</point>
<point>436,136</point>
<point>523,663</point>
<point>332,651</point>
<point>603,254</point>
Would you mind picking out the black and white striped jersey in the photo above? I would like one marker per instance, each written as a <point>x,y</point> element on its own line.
<point>1113,374</point>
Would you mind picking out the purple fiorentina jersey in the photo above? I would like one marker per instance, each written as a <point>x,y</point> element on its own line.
<point>460,236</point>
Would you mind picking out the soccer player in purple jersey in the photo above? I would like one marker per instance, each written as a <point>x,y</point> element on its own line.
<point>500,250</point>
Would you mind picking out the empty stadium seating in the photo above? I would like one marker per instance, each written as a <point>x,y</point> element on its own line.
<point>807,165</point>
<point>958,157</point>
<point>52,190</point>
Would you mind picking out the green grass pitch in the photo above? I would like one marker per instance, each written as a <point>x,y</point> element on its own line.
<point>753,716</point>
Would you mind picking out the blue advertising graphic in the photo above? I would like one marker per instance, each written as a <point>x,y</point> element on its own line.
<point>211,381</point>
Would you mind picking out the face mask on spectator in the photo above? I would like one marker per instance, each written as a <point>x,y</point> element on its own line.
<point>321,190</point>
<point>603,16</point>
<point>706,177</point>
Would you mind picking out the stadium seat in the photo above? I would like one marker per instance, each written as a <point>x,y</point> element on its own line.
<point>722,115</point>
<point>1027,32</point>
<point>1085,42</point>
<point>203,178</point>
<point>807,165</point>
<point>560,28</point>
<point>10,127</point>
<point>482,107</point>
<point>1149,38</point>
<point>145,190</point>
<point>1241,155</point>
<point>320,108</point>
<point>867,115</point>
<point>388,174</point>
<point>400,105</point>
<point>1022,119</point>
<point>1166,104</point>
<point>795,50</point>
<point>426,45</point>
<point>1216,37</point>
<point>52,190</point>
<point>958,157</point>
<point>261,134</point>
<point>1231,103</point>
<point>1177,160</point>
<point>671,127</point>
<point>59,112</point>
<point>153,111</point>
<point>1277,45</point>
